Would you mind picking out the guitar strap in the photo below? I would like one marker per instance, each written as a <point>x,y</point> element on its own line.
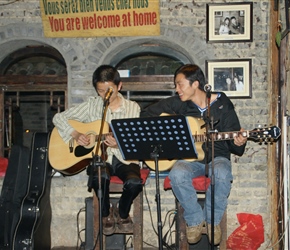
<point>207,120</point>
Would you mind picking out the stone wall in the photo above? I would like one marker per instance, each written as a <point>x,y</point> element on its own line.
<point>183,28</point>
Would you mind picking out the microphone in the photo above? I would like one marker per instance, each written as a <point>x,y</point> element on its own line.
<point>207,88</point>
<point>108,94</point>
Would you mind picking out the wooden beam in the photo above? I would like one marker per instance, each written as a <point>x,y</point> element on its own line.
<point>33,79</point>
<point>273,152</point>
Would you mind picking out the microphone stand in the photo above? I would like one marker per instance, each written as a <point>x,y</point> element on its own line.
<point>97,162</point>
<point>209,133</point>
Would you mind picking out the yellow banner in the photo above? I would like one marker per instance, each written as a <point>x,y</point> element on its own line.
<point>96,18</point>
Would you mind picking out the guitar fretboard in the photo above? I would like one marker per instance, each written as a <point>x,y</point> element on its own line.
<point>103,137</point>
<point>220,136</point>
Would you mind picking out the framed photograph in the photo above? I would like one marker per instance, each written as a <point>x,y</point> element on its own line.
<point>230,22</point>
<point>233,77</point>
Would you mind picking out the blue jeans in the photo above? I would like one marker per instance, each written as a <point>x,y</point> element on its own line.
<point>181,176</point>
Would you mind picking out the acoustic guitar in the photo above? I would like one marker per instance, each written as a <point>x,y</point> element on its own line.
<point>266,134</point>
<point>71,158</point>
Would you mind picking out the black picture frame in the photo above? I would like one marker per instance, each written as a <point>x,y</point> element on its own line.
<point>231,76</point>
<point>240,31</point>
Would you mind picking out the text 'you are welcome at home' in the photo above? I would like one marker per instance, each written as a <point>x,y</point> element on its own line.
<point>97,14</point>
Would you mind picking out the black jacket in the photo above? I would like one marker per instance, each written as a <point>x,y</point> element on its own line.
<point>222,112</point>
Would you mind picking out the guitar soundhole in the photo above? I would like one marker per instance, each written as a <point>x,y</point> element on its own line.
<point>81,151</point>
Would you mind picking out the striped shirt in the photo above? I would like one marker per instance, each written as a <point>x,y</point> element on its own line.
<point>90,111</point>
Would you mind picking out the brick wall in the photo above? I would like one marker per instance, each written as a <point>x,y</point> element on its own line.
<point>183,27</point>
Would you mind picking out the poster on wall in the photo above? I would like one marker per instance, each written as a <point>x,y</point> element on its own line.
<point>100,18</point>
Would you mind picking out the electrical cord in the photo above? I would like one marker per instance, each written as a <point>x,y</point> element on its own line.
<point>164,243</point>
<point>170,212</point>
<point>275,244</point>
<point>150,212</point>
<point>79,239</point>
<point>169,232</point>
<point>131,246</point>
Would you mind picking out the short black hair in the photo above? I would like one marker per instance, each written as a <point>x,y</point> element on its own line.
<point>192,73</point>
<point>106,73</point>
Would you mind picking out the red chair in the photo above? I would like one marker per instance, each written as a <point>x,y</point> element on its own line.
<point>116,187</point>
<point>200,184</point>
<point>3,166</point>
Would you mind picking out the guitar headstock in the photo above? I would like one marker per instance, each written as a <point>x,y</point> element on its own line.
<point>266,134</point>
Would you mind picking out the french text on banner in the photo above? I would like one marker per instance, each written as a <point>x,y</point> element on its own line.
<point>97,18</point>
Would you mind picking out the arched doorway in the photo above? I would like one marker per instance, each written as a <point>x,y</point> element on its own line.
<point>148,71</point>
<point>33,82</point>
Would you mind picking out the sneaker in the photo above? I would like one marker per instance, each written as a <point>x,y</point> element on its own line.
<point>194,233</point>
<point>109,224</point>
<point>217,234</point>
<point>125,225</point>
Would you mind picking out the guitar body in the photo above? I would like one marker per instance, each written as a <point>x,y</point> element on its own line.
<point>32,211</point>
<point>196,129</point>
<point>73,160</point>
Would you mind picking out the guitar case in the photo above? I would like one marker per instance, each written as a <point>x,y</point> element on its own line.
<point>32,226</point>
<point>13,190</point>
<point>42,236</point>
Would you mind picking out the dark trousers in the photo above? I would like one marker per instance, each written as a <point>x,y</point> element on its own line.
<point>129,174</point>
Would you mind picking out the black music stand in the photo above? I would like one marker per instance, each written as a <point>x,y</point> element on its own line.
<point>162,137</point>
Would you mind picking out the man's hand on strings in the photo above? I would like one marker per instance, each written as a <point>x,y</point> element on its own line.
<point>240,139</point>
<point>110,141</point>
<point>80,138</point>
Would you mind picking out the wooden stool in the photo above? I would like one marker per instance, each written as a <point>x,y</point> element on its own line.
<point>116,187</point>
<point>200,184</point>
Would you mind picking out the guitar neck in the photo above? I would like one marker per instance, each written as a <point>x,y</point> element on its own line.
<point>103,137</point>
<point>220,136</point>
